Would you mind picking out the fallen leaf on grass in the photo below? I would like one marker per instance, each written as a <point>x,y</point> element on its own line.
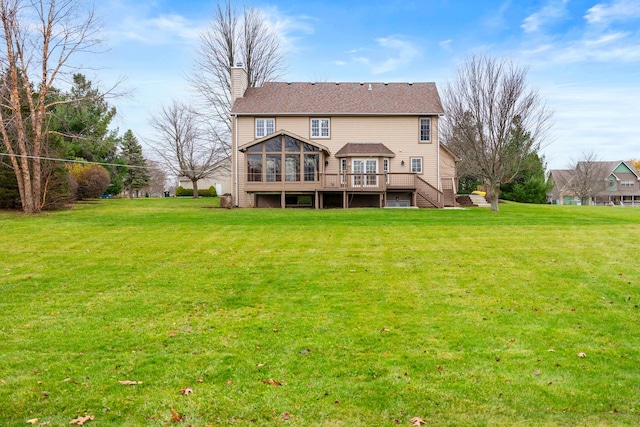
<point>186,391</point>
<point>200,380</point>
<point>272,382</point>
<point>176,416</point>
<point>582,355</point>
<point>32,421</point>
<point>130,382</point>
<point>259,365</point>
<point>46,423</point>
<point>417,421</point>
<point>286,416</point>
<point>81,420</point>
<point>537,372</point>
<point>551,350</point>
<point>385,330</point>
<point>306,351</point>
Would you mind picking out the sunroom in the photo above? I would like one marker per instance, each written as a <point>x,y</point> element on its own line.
<point>283,170</point>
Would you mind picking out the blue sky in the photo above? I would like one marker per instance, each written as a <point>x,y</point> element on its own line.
<point>583,55</point>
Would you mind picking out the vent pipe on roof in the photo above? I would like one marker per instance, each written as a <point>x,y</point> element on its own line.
<point>369,86</point>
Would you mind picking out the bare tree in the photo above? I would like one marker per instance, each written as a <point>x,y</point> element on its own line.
<point>157,179</point>
<point>185,143</point>
<point>493,121</point>
<point>589,176</point>
<point>232,38</point>
<point>40,37</point>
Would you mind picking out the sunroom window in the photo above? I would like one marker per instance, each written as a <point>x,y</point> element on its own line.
<point>283,158</point>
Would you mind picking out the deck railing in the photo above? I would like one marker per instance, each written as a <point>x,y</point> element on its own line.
<point>367,181</point>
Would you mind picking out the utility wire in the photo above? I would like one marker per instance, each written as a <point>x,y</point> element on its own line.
<point>73,161</point>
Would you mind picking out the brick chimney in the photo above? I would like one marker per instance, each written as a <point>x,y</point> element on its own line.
<point>239,81</point>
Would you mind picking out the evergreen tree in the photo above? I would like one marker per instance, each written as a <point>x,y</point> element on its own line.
<point>136,176</point>
<point>530,184</point>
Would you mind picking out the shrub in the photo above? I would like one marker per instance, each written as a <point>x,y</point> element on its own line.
<point>188,192</point>
<point>92,180</point>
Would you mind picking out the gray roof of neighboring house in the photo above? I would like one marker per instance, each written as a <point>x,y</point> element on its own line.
<point>561,177</point>
<point>340,98</point>
<point>366,149</point>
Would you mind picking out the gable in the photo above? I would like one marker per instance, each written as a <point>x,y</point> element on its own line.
<point>364,149</point>
<point>624,168</point>
<point>285,133</point>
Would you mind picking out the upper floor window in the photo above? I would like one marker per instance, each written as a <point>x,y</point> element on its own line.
<point>416,165</point>
<point>425,129</point>
<point>320,128</point>
<point>265,127</point>
<point>627,183</point>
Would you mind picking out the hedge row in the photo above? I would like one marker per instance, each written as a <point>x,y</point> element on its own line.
<point>183,192</point>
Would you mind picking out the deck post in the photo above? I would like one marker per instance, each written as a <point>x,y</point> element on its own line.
<point>283,200</point>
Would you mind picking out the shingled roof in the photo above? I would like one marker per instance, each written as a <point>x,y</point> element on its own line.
<point>340,98</point>
<point>369,149</point>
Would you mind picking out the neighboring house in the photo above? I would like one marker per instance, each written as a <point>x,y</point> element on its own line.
<point>616,183</point>
<point>326,145</point>
<point>220,179</point>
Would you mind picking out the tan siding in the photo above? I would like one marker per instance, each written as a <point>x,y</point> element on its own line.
<point>401,134</point>
<point>297,125</point>
<point>246,134</point>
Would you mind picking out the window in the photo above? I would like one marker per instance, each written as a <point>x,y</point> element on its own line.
<point>343,170</point>
<point>265,127</point>
<point>292,167</point>
<point>320,128</point>
<point>254,167</point>
<point>385,168</point>
<point>416,165</point>
<point>274,167</point>
<point>425,129</point>
<point>311,167</point>
<point>626,183</point>
<point>365,172</point>
<point>283,159</point>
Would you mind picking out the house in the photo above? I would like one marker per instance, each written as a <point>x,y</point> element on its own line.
<point>220,178</point>
<point>326,145</point>
<point>596,183</point>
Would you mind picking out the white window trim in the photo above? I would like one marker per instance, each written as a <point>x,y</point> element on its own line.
<point>320,121</point>
<point>428,119</point>
<point>265,126</point>
<point>411,159</point>
<point>385,168</point>
<point>363,179</point>
<point>343,169</point>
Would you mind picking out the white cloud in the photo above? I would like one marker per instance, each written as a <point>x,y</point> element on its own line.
<point>586,119</point>
<point>390,54</point>
<point>446,44</point>
<point>290,29</point>
<point>156,30</point>
<point>618,10</point>
<point>554,11</point>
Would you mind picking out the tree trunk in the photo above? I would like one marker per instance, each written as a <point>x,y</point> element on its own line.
<point>195,188</point>
<point>495,194</point>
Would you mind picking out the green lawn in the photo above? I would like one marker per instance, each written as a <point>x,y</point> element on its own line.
<point>335,318</point>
